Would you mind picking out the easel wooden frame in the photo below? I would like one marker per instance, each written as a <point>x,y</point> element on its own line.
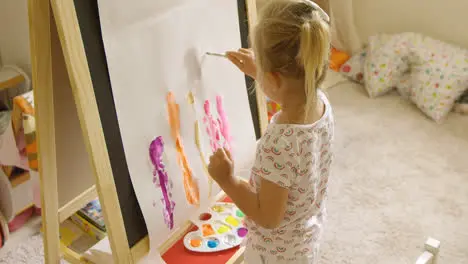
<point>44,17</point>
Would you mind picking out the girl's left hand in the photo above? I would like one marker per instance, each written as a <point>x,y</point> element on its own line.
<point>221,167</point>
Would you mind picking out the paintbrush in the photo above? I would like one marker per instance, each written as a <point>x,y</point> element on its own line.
<point>216,54</point>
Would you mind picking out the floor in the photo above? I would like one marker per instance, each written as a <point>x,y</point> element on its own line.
<point>398,177</point>
<point>22,235</point>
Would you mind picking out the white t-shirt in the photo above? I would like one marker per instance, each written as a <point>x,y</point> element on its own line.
<point>297,157</point>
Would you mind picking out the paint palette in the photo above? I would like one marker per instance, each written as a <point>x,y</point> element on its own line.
<point>219,229</point>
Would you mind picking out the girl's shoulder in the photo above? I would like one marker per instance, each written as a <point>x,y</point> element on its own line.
<point>292,130</point>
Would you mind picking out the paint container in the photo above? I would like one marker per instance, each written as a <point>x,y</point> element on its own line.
<point>242,232</point>
<point>219,228</point>
<point>212,243</point>
<point>196,241</point>
<point>230,239</point>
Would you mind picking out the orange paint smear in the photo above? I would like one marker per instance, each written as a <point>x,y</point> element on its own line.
<point>207,230</point>
<point>192,193</point>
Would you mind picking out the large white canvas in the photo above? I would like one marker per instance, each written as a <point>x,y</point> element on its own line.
<point>154,47</point>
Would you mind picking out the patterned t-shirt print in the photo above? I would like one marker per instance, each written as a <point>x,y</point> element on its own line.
<point>296,157</point>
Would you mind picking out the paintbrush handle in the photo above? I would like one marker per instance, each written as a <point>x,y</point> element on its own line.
<point>216,54</point>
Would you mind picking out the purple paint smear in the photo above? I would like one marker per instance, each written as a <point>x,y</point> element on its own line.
<point>223,123</point>
<point>161,180</point>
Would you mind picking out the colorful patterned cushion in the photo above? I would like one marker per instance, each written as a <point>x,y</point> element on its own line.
<point>385,64</point>
<point>440,77</point>
<point>354,67</point>
<point>431,73</point>
<point>404,85</point>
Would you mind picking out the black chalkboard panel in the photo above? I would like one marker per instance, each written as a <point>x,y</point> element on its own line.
<point>88,19</point>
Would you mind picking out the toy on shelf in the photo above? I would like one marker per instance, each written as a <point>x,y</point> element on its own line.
<point>19,177</point>
<point>91,220</point>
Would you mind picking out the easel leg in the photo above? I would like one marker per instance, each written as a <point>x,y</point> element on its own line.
<point>41,60</point>
<point>76,63</point>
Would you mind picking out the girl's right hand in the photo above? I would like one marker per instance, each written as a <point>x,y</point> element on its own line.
<point>244,59</point>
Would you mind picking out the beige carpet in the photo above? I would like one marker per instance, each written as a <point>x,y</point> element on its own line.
<point>398,177</point>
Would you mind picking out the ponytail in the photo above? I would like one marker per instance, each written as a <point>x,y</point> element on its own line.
<point>292,37</point>
<point>313,54</point>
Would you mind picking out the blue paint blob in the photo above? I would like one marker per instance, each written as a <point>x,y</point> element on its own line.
<point>213,243</point>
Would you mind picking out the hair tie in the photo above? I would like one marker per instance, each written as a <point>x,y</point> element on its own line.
<point>322,12</point>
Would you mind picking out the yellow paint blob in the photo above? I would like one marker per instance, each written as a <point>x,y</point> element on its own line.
<point>232,221</point>
<point>218,208</point>
<point>190,98</point>
<point>223,229</point>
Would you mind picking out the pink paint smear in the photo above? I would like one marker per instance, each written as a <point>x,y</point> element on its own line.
<point>217,128</point>
<point>223,123</point>
<point>211,127</point>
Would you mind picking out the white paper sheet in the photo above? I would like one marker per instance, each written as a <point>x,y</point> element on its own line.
<point>154,47</point>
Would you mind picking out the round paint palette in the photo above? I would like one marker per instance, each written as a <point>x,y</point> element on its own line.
<point>219,229</point>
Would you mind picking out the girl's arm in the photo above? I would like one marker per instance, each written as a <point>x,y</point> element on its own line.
<point>244,59</point>
<point>266,208</point>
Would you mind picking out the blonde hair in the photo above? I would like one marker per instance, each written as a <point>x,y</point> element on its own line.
<point>292,38</point>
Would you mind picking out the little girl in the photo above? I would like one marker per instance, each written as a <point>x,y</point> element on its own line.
<point>285,198</point>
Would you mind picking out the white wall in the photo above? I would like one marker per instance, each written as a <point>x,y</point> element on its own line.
<point>442,19</point>
<point>445,20</point>
<point>14,34</point>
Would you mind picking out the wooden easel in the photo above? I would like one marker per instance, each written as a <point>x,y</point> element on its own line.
<point>65,99</point>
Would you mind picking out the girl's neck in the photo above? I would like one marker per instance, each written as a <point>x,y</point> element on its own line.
<point>291,114</point>
<point>294,112</point>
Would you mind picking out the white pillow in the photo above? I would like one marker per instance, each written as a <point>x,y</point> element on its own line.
<point>386,62</point>
<point>404,85</point>
<point>354,67</point>
<point>440,79</point>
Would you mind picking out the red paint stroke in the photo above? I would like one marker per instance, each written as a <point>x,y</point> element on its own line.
<point>223,122</point>
<point>161,180</point>
<point>192,193</point>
